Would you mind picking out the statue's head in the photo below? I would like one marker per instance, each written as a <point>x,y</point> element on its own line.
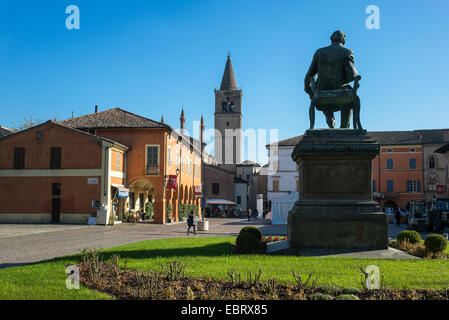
<point>338,37</point>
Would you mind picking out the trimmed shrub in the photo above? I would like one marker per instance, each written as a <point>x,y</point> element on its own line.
<point>409,236</point>
<point>435,243</point>
<point>347,297</point>
<point>320,296</point>
<point>253,230</point>
<point>247,243</point>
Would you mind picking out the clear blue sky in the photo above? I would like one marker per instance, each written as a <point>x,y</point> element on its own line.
<point>152,57</point>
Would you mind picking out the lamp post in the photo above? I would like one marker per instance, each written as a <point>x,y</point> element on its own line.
<point>177,191</point>
<point>164,193</point>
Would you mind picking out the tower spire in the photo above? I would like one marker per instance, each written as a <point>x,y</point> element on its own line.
<point>162,119</point>
<point>182,119</point>
<point>228,82</point>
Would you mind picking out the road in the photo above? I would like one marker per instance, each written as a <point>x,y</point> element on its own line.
<point>23,244</point>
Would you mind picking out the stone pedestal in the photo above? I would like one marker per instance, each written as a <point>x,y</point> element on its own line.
<point>336,207</point>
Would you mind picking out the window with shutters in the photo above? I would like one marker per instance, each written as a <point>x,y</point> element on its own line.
<point>413,186</point>
<point>117,162</point>
<point>389,163</point>
<point>19,158</point>
<point>152,160</point>
<point>215,188</point>
<point>412,163</point>
<point>169,157</point>
<point>431,162</point>
<point>390,186</point>
<point>55,158</point>
<point>56,189</point>
<point>275,184</point>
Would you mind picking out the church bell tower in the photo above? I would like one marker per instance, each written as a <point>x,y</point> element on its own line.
<point>228,119</point>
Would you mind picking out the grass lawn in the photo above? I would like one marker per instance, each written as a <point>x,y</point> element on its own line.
<point>212,257</point>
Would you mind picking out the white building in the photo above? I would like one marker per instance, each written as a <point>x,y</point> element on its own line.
<point>282,171</point>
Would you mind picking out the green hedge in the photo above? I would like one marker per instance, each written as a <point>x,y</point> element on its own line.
<point>435,243</point>
<point>247,243</point>
<point>184,210</point>
<point>253,230</point>
<point>410,236</point>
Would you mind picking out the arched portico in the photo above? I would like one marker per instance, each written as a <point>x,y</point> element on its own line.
<point>142,192</point>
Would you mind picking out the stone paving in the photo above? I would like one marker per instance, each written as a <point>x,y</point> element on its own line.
<point>22,244</point>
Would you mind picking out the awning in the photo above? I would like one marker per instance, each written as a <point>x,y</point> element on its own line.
<point>122,191</point>
<point>220,201</point>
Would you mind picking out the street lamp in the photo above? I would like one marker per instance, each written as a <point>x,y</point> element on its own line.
<point>177,191</point>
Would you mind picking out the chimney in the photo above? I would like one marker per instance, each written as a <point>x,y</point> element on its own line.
<point>96,109</point>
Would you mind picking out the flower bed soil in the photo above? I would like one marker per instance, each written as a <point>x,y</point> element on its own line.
<point>167,285</point>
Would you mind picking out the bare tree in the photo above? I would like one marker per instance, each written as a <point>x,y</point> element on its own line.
<point>27,122</point>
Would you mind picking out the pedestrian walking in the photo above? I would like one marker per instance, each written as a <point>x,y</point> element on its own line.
<point>191,223</point>
<point>249,214</point>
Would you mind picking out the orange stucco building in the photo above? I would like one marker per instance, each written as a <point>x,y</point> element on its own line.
<point>156,152</point>
<point>398,175</point>
<point>113,160</point>
<point>51,173</point>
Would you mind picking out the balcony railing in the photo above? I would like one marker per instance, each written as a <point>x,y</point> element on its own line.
<point>152,170</point>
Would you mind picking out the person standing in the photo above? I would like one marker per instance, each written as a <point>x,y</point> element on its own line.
<point>397,215</point>
<point>249,214</point>
<point>191,223</point>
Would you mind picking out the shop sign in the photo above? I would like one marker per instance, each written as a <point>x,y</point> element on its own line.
<point>172,182</point>
<point>123,192</point>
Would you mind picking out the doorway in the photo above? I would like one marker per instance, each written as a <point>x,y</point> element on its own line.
<point>55,210</point>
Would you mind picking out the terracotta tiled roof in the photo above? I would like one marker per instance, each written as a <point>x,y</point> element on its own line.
<point>112,118</point>
<point>249,163</point>
<point>393,137</point>
<point>287,142</point>
<point>52,123</point>
<point>5,131</point>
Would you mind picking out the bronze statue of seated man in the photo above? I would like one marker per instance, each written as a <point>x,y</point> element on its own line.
<point>330,92</point>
